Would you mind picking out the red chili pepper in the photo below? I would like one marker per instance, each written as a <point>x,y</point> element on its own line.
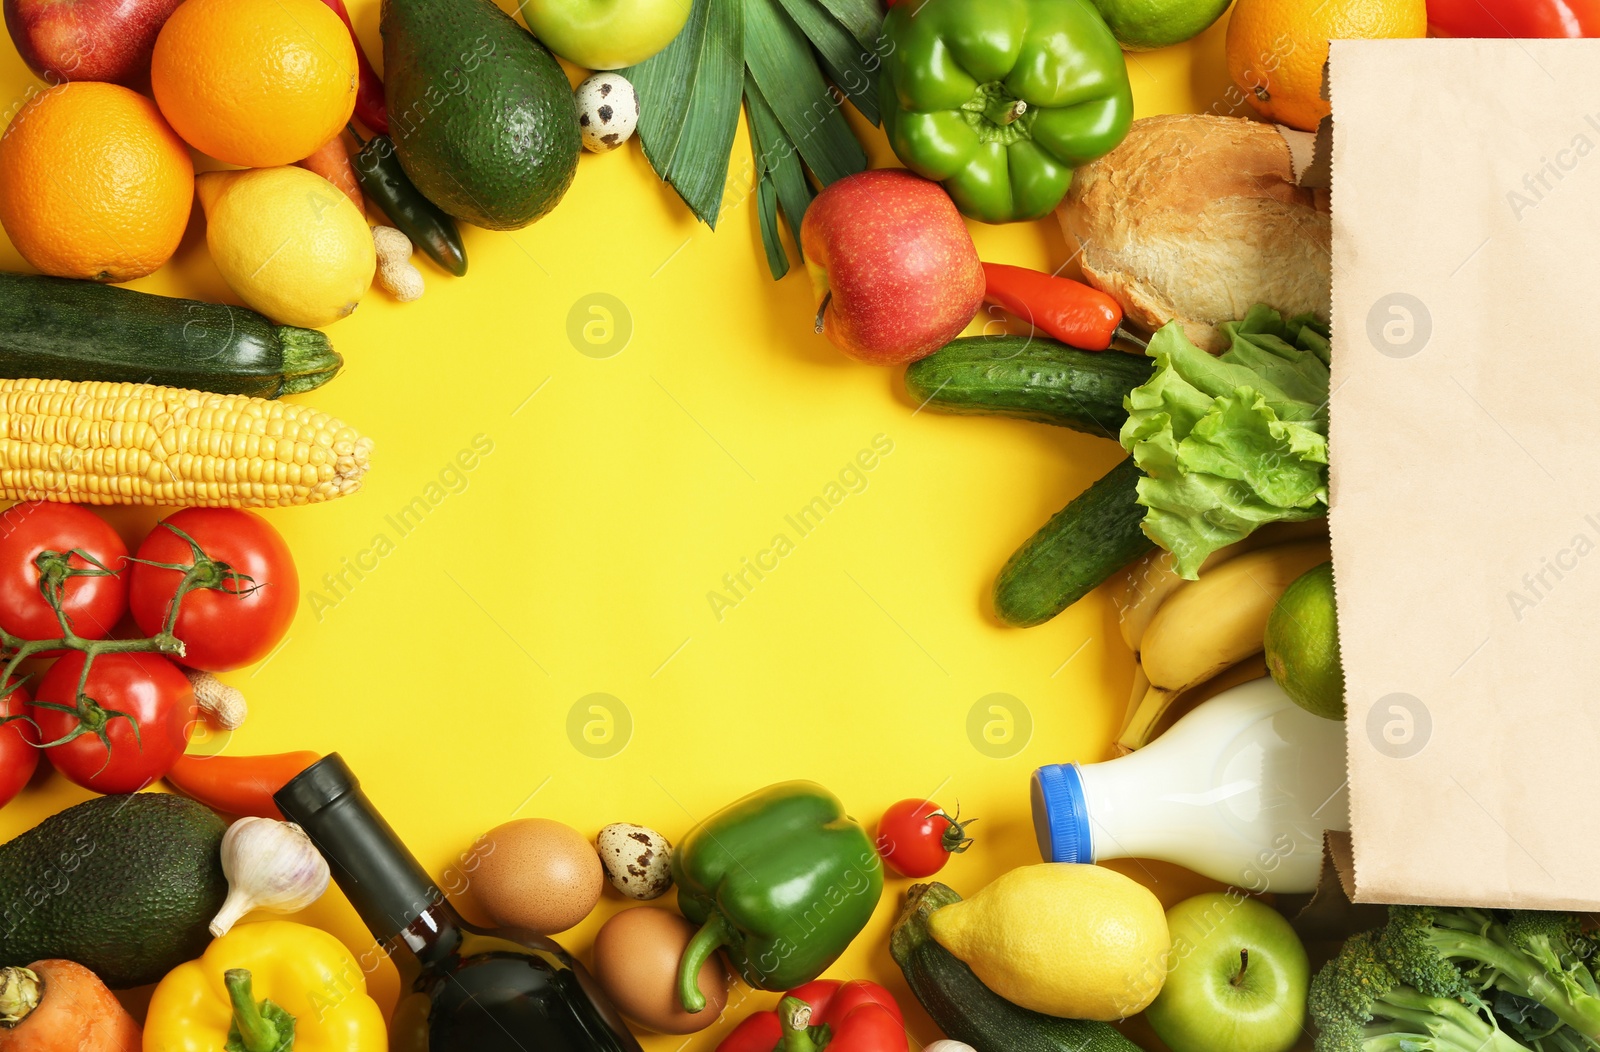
<point>1068,310</point>
<point>1514,18</point>
<point>239,785</point>
<point>859,1017</point>
<point>371,109</point>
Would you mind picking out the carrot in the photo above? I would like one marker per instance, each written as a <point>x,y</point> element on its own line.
<point>332,161</point>
<point>60,1005</point>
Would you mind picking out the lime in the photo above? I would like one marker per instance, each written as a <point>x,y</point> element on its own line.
<point>1144,25</point>
<point>1302,644</point>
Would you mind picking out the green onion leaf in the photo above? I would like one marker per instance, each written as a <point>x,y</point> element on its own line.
<point>785,69</point>
<point>852,70</point>
<point>777,160</point>
<point>689,104</point>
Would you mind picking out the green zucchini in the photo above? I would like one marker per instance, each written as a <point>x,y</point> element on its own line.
<point>967,1010</point>
<point>61,329</point>
<point>1031,378</point>
<point>1083,544</point>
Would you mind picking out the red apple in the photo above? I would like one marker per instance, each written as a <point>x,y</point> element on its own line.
<point>895,271</point>
<point>87,39</point>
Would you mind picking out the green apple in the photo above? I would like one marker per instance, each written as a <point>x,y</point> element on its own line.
<point>605,34</point>
<point>1237,978</point>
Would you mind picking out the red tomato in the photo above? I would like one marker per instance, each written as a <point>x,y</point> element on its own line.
<point>246,605</point>
<point>147,687</point>
<point>1515,18</point>
<point>18,753</point>
<point>916,838</point>
<point>93,600</point>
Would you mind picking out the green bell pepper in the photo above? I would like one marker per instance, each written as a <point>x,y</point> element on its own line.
<point>1000,100</point>
<point>783,880</point>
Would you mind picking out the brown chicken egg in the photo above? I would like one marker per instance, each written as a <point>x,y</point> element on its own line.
<point>636,959</point>
<point>538,874</point>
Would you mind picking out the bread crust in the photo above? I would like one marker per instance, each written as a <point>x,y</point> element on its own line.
<point>1197,218</point>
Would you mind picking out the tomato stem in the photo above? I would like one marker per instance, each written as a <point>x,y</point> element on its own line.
<point>955,839</point>
<point>55,568</point>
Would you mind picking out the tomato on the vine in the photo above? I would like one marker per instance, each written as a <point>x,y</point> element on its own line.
<point>916,838</point>
<point>19,754</point>
<point>94,593</point>
<point>246,593</point>
<point>129,727</point>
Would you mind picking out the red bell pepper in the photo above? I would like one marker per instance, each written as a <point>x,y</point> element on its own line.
<point>238,785</point>
<point>856,1016</point>
<point>1514,18</point>
<point>1067,310</point>
<point>371,109</point>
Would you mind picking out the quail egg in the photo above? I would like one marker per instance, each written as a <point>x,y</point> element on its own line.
<point>608,111</point>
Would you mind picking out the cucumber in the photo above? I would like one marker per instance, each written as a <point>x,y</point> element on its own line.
<point>1083,544</point>
<point>967,1010</point>
<point>123,885</point>
<point>1031,378</point>
<point>60,329</point>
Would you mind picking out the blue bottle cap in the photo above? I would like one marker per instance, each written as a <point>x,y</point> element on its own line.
<point>1060,814</point>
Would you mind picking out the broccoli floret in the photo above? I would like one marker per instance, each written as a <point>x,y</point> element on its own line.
<point>1360,1005</point>
<point>1479,954</point>
<point>1558,943</point>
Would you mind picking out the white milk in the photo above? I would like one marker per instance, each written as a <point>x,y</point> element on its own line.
<point>1240,790</point>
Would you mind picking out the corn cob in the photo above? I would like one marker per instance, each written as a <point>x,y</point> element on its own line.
<point>93,442</point>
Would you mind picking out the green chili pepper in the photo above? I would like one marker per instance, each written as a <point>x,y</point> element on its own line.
<point>386,183</point>
<point>783,880</point>
<point>1000,100</point>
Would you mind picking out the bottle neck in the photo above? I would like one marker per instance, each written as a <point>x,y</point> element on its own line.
<point>383,881</point>
<point>433,937</point>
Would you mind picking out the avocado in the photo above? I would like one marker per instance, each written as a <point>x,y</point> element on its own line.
<point>123,885</point>
<point>481,114</point>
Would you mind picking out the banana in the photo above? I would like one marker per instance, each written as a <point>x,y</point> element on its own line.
<point>1141,684</point>
<point>1212,623</point>
<point>1151,580</point>
<point>1252,667</point>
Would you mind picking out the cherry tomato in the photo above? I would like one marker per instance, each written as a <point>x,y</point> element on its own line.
<point>146,687</point>
<point>93,599</point>
<point>249,597</point>
<point>18,752</point>
<point>916,838</point>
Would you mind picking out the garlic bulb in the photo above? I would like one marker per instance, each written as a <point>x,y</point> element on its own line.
<point>946,1045</point>
<point>270,865</point>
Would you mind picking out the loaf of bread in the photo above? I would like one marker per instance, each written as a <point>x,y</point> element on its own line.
<point>1197,218</point>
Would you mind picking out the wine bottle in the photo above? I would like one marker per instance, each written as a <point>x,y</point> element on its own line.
<point>462,988</point>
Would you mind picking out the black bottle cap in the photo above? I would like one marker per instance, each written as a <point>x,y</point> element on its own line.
<point>387,886</point>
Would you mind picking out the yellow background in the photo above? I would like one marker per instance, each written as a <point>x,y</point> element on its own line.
<point>579,555</point>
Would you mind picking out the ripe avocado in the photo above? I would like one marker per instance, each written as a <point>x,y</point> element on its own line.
<point>481,113</point>
<point>123,885</point>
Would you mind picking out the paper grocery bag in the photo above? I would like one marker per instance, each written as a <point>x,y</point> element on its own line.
<point>1465,478</point>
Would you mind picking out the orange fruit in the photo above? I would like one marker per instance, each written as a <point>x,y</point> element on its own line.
<point>93,184</point>
<point>255,83</point>
<point>1277,48</point>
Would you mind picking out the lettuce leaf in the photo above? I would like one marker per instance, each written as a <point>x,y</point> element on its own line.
<point>1231,442</point>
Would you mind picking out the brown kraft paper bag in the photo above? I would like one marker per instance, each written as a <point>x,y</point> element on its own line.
<point>1465,476</point>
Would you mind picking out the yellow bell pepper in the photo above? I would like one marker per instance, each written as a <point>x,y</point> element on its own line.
<point>275,986</point>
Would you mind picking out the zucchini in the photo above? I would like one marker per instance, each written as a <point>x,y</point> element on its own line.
<point>967,1010</point>
<point>61,329</point>
<point>1031,378</point>
<point>1098,533</point>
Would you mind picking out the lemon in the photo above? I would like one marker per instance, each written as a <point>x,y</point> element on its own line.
<point>288,242</point>
<point>1302,644</point>
<point>1082,942</point>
